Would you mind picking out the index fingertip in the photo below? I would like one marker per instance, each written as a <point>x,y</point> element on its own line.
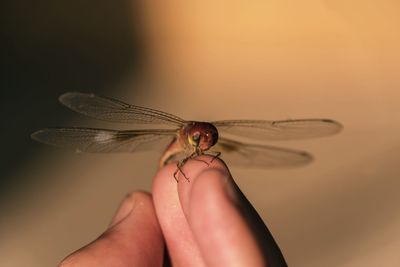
<point>212,171</point>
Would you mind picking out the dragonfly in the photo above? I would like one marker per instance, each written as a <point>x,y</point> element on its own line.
<point>184,139</point>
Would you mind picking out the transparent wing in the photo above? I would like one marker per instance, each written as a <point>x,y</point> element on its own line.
<point>259,156</point>
<point>278,130</point>
<point>103,140</point>
<point>113,110</point>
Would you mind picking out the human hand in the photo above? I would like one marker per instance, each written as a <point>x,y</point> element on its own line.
<point>204,222</point>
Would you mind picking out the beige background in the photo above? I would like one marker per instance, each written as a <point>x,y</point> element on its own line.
<point>211,60</point>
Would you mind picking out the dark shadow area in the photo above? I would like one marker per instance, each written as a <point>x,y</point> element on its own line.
<point>50,47</point>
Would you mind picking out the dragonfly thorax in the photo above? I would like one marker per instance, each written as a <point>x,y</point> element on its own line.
<point>201,135</point>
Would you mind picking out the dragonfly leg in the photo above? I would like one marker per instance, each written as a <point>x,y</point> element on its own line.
<point>198,153</point>
<point>179,166</point>
<point>195,154</point>
<point>214,155</point>
<point>217,154</point>
<point>175,175</point>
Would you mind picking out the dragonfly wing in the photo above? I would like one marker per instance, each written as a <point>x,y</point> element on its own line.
<point>113,110</point>
<point>279,130</point>
<point>260,156</point>
<point>103,140</point>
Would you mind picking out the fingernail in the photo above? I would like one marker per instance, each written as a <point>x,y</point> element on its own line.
<point>124,209</point>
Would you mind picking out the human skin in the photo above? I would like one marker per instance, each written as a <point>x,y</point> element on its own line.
<point>204,222</point>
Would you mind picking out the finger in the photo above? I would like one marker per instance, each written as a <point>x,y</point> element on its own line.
<point>134,238</point>
<point>226,228</point>
<point>182,248</point>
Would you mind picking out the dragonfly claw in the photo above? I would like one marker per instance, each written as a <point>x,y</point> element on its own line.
<point>179,166</point>
<point>215,156</point>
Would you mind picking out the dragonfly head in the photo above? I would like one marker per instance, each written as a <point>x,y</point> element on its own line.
<point>202,135</point>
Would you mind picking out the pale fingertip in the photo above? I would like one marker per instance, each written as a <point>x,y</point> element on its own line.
<point>133,239</point>
<point>182,248</point>
<point>196,169</point>
<point>124,209</point>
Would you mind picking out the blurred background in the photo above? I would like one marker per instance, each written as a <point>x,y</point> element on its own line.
<point>205,60</point>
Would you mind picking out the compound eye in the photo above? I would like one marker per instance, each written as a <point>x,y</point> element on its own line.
<point>196,137</point>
